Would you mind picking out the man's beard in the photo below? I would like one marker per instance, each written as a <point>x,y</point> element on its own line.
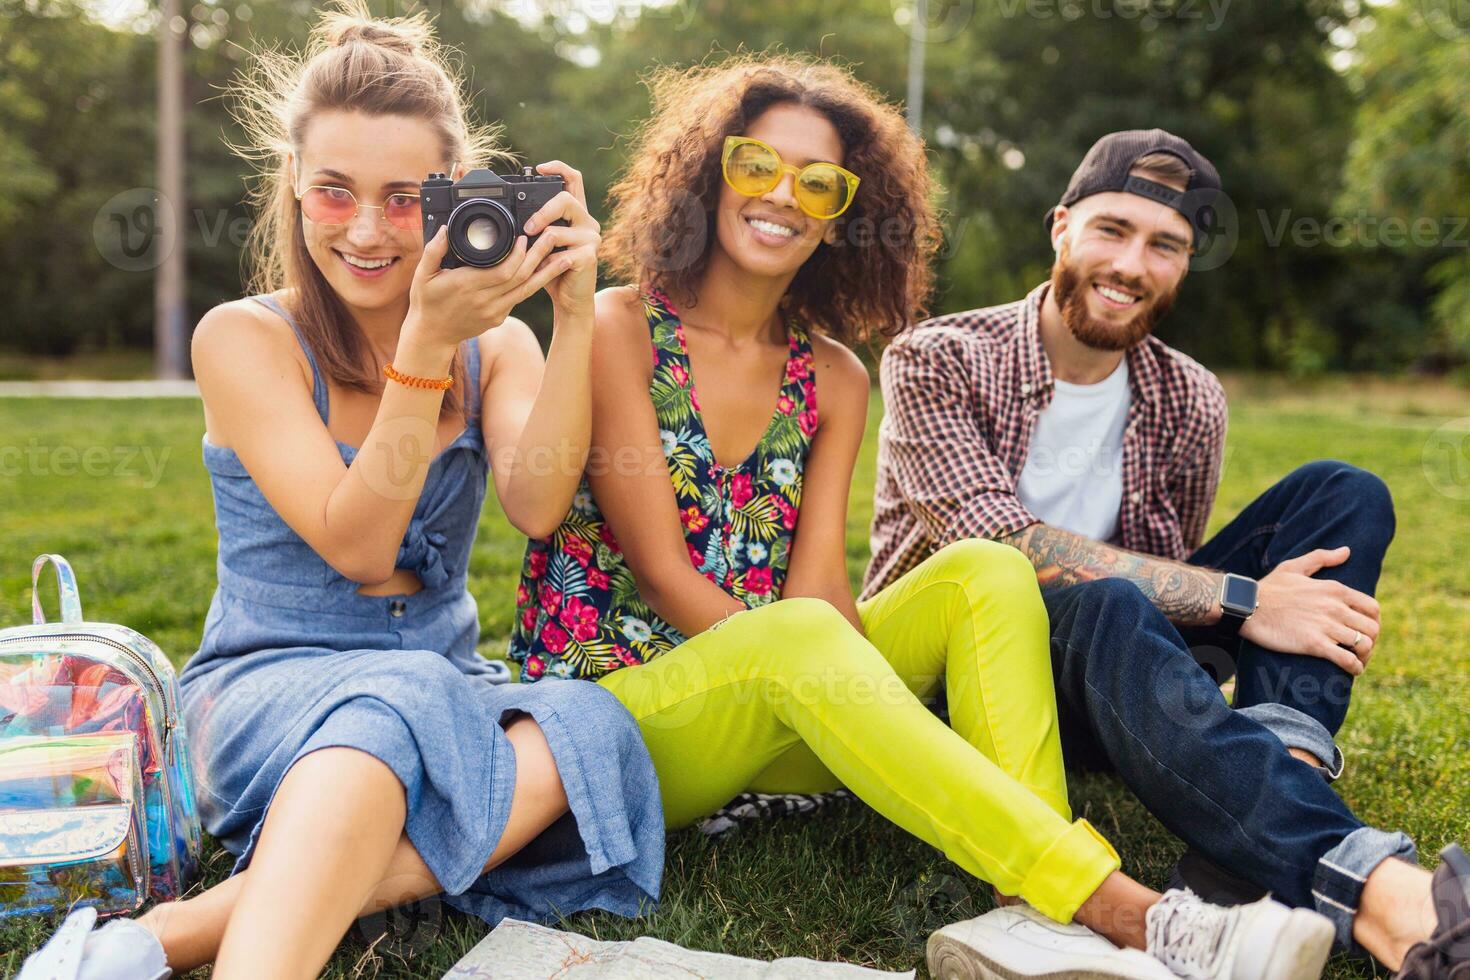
<point>1071,290</point>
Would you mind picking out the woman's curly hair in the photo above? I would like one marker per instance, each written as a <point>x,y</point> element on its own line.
<point>875,280</point>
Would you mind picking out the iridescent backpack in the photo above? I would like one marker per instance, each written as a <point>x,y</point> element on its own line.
<point>96,798</point>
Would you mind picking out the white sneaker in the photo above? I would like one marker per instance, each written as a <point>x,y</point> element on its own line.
<point>1019,943</point>
<point>1264,940</point>
<point>120,950</point>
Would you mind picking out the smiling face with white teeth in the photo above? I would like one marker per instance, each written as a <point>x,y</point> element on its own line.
<point>1120,261</point>
<point>770,235</point>
<point>368,262</point>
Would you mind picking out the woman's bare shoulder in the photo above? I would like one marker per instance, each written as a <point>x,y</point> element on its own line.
<point>619,310</point>
<point>241,350</point>
<point>621,341</point>
<point>243,332</point>
<point>509,345</point>
<point>840,367</point>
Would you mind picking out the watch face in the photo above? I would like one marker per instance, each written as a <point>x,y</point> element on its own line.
<point>1240,594</point>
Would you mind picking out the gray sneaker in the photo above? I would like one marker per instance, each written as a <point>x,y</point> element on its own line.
<point>1264,940</point>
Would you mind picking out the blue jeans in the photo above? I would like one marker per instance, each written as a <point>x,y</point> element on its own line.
<point>1138,697</point>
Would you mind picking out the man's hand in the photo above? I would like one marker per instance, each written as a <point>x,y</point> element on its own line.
<point>1297,613</point>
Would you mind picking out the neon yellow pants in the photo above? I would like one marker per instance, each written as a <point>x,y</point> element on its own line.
<point>790,698</point>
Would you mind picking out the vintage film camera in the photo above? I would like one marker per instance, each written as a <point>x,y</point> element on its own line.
<point>485,212</point>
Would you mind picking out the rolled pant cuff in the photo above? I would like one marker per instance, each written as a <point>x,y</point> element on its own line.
<point>1298,730</point>
<point>1069,872</point>
<point>1337,885</point>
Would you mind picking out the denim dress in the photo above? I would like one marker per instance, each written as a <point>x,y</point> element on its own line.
<point>294,659</point>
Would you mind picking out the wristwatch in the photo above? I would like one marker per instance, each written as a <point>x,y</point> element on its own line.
<point>1238,595</point>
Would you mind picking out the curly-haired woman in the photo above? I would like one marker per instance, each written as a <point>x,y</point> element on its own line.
<point>775,210</point>
<point>349,749</point>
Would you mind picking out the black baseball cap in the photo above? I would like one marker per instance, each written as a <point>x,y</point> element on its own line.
<point>1106,166</point>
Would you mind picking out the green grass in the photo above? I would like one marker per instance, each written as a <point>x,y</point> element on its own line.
<point>841,885</point>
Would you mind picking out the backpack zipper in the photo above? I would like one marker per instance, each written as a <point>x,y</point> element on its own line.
<point>169,710</point>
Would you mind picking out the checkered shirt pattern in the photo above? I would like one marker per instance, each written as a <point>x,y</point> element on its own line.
<point>961,396</point>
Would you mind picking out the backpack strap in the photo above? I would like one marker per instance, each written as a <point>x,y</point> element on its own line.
<point>66,586</point>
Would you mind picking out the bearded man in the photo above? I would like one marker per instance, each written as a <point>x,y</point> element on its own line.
<point>1061,425</point>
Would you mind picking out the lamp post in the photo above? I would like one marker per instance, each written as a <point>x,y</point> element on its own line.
<point>170,306</point>
<point>916,66</point>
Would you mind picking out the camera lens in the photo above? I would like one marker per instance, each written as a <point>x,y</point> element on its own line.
<point>480,232</point>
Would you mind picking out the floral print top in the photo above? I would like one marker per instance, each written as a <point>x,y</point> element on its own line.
<point>578,611</point>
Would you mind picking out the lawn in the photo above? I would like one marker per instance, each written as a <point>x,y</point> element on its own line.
<point>119,489</point>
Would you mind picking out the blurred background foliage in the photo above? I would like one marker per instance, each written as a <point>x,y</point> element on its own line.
<point>1341,130</point>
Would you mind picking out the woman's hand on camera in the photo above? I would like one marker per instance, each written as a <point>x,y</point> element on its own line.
<point>574,281</point>
<point>448,306</point>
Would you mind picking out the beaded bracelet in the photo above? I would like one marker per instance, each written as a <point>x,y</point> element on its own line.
<point>436,384</point>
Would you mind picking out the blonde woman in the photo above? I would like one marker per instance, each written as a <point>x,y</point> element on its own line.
<point>349,750</point>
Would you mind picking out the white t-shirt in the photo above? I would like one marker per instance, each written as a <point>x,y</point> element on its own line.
<point>1073,477</point>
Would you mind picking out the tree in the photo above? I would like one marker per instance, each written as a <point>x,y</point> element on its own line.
<point>76,132</point>
<point>1410,156</point>
<point>1016,91</point>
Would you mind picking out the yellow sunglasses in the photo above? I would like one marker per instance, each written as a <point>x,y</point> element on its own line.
<point>822,190</point>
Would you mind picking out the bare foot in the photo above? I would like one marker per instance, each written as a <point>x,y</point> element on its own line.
<point>1395,911</point>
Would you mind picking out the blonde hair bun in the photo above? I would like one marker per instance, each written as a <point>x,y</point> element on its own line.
<point>352,23</point>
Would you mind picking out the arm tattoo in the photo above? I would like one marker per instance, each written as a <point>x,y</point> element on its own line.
<point>1183,593</point>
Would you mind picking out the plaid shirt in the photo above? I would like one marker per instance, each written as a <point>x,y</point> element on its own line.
<point>961,395</point>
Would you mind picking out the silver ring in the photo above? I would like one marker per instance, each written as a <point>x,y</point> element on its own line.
<point>1357,638</point>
